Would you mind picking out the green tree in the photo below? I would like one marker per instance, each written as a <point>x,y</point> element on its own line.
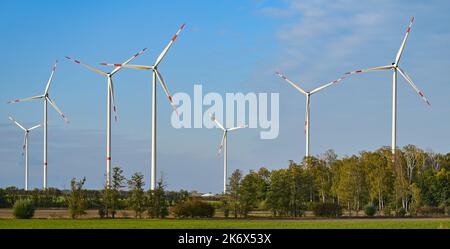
<point>248,195</point>
<point>77,198</point>
<point>352,186</point>
<point>136,199</point>
<point>111,195</point>
<point>279,195</point>
<point>263,184</point>
<point>234,191</point>
<point>157,201</point>
<point>379,176</point>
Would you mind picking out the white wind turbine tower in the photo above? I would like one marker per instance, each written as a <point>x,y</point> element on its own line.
<point>396,69</point>
<point>25,146</point>
<point>156,75</point>
<point>223,145</point>
<point>308,96</point>
<point>46,99</point>
<point>110,96</point>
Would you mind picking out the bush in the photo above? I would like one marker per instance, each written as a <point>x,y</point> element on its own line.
<point>327,209</point>
<point>193,208</point>
<point>401,212</point>
<point>102,212</point>
<point>427,210</point>
<point>370,210</point>
<point>23,209</point>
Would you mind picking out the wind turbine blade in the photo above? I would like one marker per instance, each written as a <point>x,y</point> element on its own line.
<point>400,51</point>
<point>111,89</point>
<point>328,84</point>
<point>127,61</point>
<point>164,52</point>
<point>292,83</point>
<point>57,110</point>
<point>213,118</point>
<point>26,99</point>
<point>142,67</point>
<point>17,123</point>
<point>25,138</point>
<point>409,80</point>
<point>221,143</point>
<point>238,127</point>
<point>387,67</point>
<point>93,69</point>
<point>163,84</point>
<point>34,127</point>
<point>51,78</point>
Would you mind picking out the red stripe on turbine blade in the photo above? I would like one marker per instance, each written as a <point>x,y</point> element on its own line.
<point>174,37</point>
<point>182,26</point>
<point>77,61</point>
<point>104,64</point>
<point>117,65</point>
<point>421,94</point>
<point>16,100</point>
<point>170,99</point>
<point>409,29</point>
<point>114,108</point>
<point>45,163</point>
<point>108,158</point>
<point>67,57</point>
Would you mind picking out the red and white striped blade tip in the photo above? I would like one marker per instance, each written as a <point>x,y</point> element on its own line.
<point>178,32</point>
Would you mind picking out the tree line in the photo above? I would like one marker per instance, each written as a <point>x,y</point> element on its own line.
<point>417,181</point>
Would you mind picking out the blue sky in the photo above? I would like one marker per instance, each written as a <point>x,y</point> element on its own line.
<point>227,46</point>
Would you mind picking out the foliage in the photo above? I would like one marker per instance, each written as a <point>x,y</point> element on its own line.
<point>157,201</point>
<point>110,201</point>
<point>234,193</point>
<point>370,210</point>
<point>401,212</point>
<point>23,209</point>
<point>193,208</point>
<point>249,193</point>
<point>327,209</point>
<point>77,198</point>
<point>137,200</point>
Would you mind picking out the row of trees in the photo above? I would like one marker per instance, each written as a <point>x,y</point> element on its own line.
<point>417,180</point>
<point>154,202</point>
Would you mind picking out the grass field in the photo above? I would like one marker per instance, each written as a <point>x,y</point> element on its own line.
<point>245,224</point>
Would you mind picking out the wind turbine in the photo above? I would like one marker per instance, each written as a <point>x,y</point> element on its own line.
<point>156,75</point>
<point>396,69</point>
<point>25,146</point>
<point>223,145</point>
<point>308,96</point>
<point>110,96</point>
<point>46,99</point>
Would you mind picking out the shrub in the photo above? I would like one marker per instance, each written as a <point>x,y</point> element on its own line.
<point>23,209</point>
<point>370,210</point>
<point>401,212</point>
<point>327,209</point>
<point>193,208</point>
<point>102,212</point>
